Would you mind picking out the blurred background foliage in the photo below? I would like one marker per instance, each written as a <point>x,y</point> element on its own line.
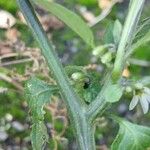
<point>20,58</point>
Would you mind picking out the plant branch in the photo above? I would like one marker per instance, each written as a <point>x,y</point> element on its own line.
<point>99,104</point>
<point>80,123</point>
<point>133,16</point>
<point>49,53</point>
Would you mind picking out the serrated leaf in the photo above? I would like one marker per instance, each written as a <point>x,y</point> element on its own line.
<point>113,93</point>
<point>38,94</point>
<point>131,137</point>
<point>69,18</point>
<point>39,136</point>
<point>117,31</point>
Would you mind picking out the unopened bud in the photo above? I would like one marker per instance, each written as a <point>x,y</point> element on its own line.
<point>99,50</point>
<point>106,58</point>
<point>128,89</point>
<point>77,76</point>
<point>138,86</point>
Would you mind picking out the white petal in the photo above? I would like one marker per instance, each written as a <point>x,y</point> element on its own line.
<point>147,90</point>
<point>148,98</point>
<point>144,104</point>
<point>133,102</point>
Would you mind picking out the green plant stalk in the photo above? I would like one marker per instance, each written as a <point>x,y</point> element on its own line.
<point>80,123</point>
<point>127,35</point>
<point>99,105</point>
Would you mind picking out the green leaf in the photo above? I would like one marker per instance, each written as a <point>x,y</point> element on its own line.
<point>113,93</point>
<point>70,19</point>
<point>117,31</point>
<point>38,94</point>
<point>142,29</point>
<point>131,136</point>
<point>39,135</point>
<point>108,36</point>
<point>145,39</point>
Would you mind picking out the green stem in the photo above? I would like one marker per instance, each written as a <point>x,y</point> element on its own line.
<point>127,35</point>
<point>83,130</point>
<point>99,105</point>
<point>49,54</point>
<point>85,133</point>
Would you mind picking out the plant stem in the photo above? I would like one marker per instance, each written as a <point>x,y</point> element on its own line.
<point>49,54</point>
<point>132,19</point>
<point>83,130</point>
<point>85,133</point>
<point>99,104</point>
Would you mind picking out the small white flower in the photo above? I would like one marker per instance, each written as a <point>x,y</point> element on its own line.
<point>143,98</point>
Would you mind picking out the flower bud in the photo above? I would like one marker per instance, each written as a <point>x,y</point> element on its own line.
<point>106,58</point>
<point>128,89</point>
<point>99,50</point>
<point>138,86</point>
<point>77,76</point>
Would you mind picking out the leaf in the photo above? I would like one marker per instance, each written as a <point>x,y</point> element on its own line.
<point>113,93</point>
<point>117,31</point>
<point>108,36</point>
<point>142,29</point>
<point>39,135</point>
<point>69,18</point>
<point>143,40</point>
<point>38,93</point>
<point>131,136</point>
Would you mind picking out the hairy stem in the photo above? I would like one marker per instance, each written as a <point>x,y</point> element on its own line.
<point>99,104</point>
<point>49,54</point>
<point>85,133</point>
<point>83,130</point>
<point>132,19</point>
